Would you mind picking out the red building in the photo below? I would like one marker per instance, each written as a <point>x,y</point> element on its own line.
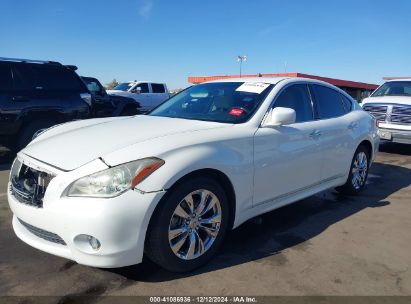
<point>357,90</point>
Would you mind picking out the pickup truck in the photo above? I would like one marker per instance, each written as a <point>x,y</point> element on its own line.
<point>390,104</point>
<point>147,94</point>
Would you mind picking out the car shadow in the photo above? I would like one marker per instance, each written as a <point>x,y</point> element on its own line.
<point>290,226</point>
<point>395,148</point>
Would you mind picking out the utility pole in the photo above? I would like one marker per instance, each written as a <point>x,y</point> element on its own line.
<point>241,59</point>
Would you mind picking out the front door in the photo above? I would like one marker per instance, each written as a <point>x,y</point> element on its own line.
<point>287,159</point>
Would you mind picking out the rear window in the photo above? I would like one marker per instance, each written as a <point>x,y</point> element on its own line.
<point>47,77</point>
<point>5,77</point>
<point>328,101</point>
<point>158,88</point>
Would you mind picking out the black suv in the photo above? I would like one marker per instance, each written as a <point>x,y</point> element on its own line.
<point>35,95</point>
<point>109,105</point>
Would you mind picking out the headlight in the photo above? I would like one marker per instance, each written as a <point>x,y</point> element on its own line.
<point>114,181</point>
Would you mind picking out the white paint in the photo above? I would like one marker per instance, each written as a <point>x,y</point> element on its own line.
<point>268,168</point>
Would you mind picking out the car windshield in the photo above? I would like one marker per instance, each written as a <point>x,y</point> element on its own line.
<point>227,102</point>
<point>394,88</point>
<point>124,86</point>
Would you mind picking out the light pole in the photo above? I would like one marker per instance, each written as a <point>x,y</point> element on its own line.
<point>241,59</point>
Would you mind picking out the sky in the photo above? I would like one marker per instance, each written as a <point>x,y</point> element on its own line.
<point>168,41</point>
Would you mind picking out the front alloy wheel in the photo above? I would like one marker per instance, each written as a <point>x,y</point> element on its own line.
<point>188,225</point>
<point>195,224</point>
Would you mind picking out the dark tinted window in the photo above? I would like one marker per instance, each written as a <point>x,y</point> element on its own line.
<point>5,77</point>
<point>394,88</point>
<point>143,87</point>
<point>346,103</point>
<point>296,97</point>
<point>47,77</point>
<point>158,88</point>
<point>329,102</point>
<point>93,85</point>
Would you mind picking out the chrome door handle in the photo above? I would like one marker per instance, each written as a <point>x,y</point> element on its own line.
<point>353,125</point>
<point>315,134</point>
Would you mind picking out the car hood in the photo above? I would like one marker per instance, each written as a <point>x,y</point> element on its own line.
<point>402,100</point>
<point>72,145</point>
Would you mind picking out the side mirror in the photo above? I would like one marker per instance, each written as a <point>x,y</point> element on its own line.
<point>137,90</point>
<point>279,117</point>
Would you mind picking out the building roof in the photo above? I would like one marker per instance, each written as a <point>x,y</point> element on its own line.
<point>333,81</point>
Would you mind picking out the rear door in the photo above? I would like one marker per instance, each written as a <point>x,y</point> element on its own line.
<point>159,94</point>
<point>288,159</point>
<point>335,126</point>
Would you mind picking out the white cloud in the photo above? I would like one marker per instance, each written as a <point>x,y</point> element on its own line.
<point>145,8</point>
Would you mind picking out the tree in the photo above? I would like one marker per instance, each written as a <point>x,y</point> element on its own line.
<point>111,84</point>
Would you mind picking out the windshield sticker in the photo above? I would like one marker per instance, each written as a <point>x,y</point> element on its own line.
<point>252,87</point>
<point>236,112</point>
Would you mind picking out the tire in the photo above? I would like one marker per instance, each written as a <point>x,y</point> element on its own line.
<point>129,111</point>
<point>165,223</point>
<point>357,177</point>
<point>28,131</point>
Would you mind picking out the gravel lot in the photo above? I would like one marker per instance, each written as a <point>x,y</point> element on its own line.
<point>324,245</point>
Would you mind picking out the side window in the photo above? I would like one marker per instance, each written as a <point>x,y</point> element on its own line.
<point>296,97</point>
<point>93,87</point>
<point>328,102</point>
<point>158,88</point>
<point>45,77</point>
<point>143,87</point>
<point>6,82</point>
<point>346,103</point>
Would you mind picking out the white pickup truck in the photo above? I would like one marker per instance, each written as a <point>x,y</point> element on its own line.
<point>390,104</point>
<point>148,94</point>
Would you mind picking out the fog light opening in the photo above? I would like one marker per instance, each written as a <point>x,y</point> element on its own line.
<point>94,243</point>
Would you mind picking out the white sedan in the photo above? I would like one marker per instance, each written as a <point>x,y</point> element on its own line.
<point>170,184</point>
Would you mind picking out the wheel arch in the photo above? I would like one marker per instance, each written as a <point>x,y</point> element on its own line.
<point>368,145</point>
<point>214,174</point>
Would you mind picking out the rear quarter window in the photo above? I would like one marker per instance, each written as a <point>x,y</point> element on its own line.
<point>347,103</point>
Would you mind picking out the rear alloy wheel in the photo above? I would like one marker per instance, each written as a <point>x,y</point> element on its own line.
<point>357,177</point>
<point>189,225</point>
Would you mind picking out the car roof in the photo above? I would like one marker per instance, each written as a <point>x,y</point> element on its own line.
<point>398,79</point>
<point>272,80</point>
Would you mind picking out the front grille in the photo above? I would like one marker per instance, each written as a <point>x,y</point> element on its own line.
<point>43,234</point>
<point>28,185</point>
<point>401,119</point>
<point>401,115</point>
<point>379,112</point>
<point>401,110</point>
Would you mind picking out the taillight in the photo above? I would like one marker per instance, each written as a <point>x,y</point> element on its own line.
<point>377,123</point>
<point>86,97</point>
